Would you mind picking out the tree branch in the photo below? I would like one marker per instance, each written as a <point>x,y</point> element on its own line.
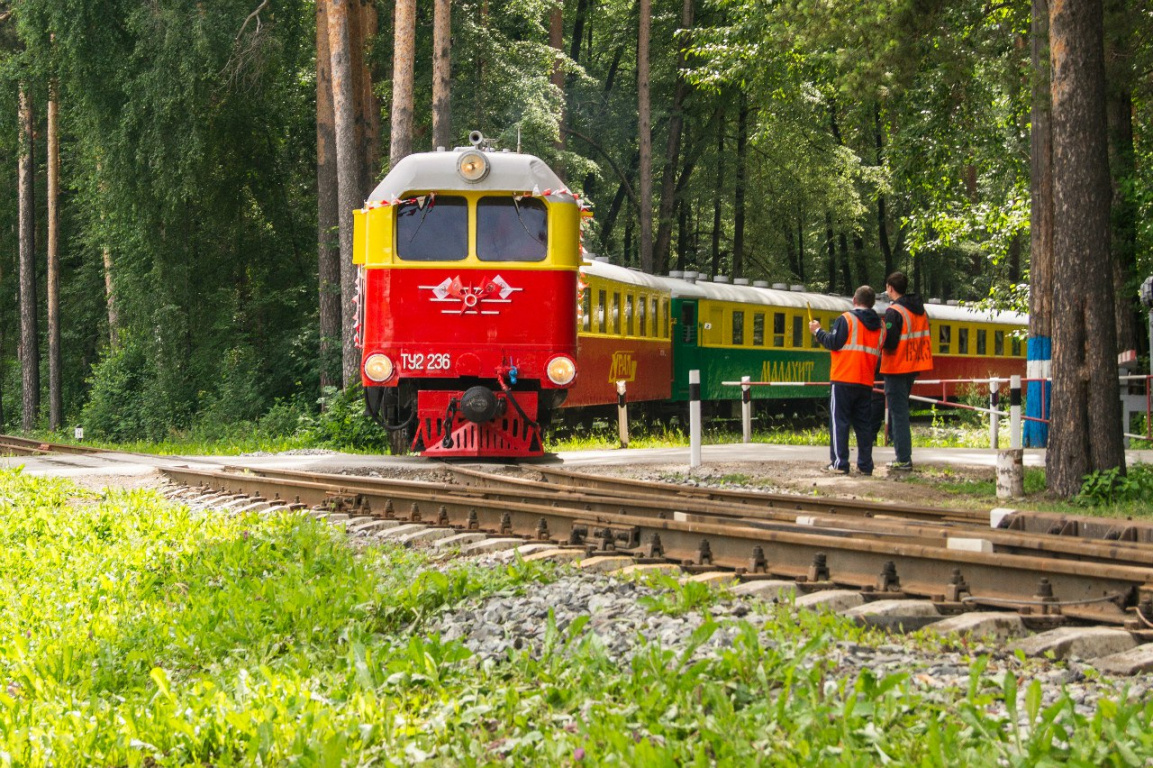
<point>254,15</point>
<point>616,168</point>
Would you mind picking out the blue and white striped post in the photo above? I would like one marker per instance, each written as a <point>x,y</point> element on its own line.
<point>746,409</point>
<point>694,419</point>
<point>1037,369</point>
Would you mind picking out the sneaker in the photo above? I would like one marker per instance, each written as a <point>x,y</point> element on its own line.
<point>834,469</point>
<point>866,472</point>
<point>901,466</point>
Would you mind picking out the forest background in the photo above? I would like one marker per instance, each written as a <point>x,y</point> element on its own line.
<point>177,233</point>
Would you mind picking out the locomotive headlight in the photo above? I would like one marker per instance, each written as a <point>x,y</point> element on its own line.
<point>378,367</point>
<point>561,370</point>
<point>472,166</point>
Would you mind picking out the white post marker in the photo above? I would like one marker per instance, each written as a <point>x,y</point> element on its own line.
<point>994,418</point>
<point>79,433</point>
<point>622,414</point>
<point>746,409</point>
<point>694,419</point>
<point>1011,463</point>
<point>1015,412</point>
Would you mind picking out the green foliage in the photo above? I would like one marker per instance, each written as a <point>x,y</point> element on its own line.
<point>136,632</point>
<point>1116,485</point>
<point>343,422</point>
<point>124,403</point>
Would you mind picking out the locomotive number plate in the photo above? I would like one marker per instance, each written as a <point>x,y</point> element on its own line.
<point>420,361</point>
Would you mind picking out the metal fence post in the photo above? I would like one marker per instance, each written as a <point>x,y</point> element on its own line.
<point>1015,412</point>
<point>694,419</point>
<point>746,409</point>
<point>622,414</point>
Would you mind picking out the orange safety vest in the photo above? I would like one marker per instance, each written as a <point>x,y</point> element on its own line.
<point>914,349</point>
<point>856,362</point>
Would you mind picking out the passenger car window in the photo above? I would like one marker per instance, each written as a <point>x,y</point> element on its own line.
<point>432,228</point>
<point>508,229</point>
<point>759,329</point>
<point>944,336</point>
<point>738,327</point>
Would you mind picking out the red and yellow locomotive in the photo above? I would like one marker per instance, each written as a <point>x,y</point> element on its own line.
<point>467,310</point>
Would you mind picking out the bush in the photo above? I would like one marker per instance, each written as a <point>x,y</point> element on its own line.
<point>1112,487</point>
<point>125,402</point>
<point>343,422</point>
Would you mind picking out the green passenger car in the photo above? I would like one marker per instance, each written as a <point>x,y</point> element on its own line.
<point>728,331</point>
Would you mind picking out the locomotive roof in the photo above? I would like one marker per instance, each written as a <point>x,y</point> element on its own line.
<point>508,172</point>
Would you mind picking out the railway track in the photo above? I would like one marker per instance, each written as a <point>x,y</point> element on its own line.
<point>22,446</point>
<point>957,561</point>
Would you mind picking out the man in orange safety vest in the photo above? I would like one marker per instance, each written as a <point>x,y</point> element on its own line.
<point>907,352</point>
<point>855,345</point>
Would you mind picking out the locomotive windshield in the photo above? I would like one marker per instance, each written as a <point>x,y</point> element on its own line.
<point>508,229</point>
<point>432,228</point>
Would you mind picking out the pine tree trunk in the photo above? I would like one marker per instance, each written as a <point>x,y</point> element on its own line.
<point>801,246</point>
<point>831,248</point>
<point>367,105</point>
<point>1085,433</point>
<point>29,343</point>
<point>556,42</point>
<point>739,196</point>
<point>55,398</point>
<point>442,75</point>
<point>718,198</point>
<point>110,299</point>
<point>673,148</point>
<point>327,210</point>
<point>1041,183</point>
<point>882,216</point>
<point>404,52</point>
<point>348,176</point>
<point>645,133</point>
<point>1120,20</point>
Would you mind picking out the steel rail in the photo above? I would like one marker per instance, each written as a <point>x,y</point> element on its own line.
<point>1072,526</point>
<point>953,578</point>
<point>494,487</point>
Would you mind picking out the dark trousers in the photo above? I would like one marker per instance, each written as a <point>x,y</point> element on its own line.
<point>851,405</point>
<point>898,387</point>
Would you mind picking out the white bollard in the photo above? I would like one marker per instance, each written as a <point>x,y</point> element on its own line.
<point>694,419</point>
<point>1015,412</point>
<point>994,419</point>
<point>622,414</point>
<point>1011,463</point>
<point>746,409</point>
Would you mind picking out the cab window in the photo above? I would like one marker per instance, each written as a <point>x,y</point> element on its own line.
<point>432,228</point>
<point>511,230</point>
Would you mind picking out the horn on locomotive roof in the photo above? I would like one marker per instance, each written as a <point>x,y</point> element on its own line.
<point>476,138</point>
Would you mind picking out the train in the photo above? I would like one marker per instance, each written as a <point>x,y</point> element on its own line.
<point>480,316</point>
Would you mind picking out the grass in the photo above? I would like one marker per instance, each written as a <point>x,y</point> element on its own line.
<point>135,632</point>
